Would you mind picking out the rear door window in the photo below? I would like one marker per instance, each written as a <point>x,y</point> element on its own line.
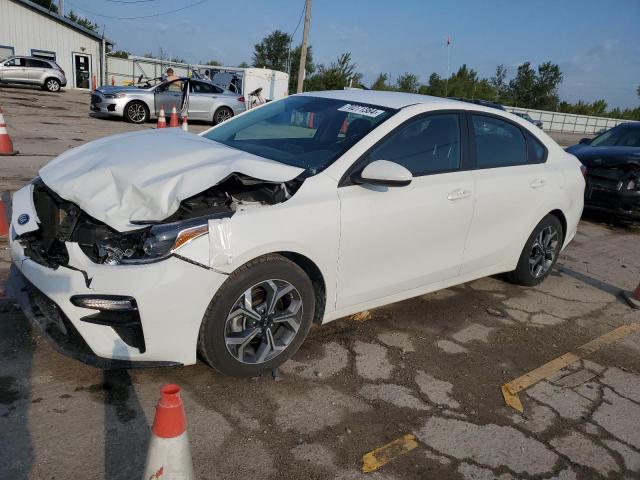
<point>498,143</point>
<point>37,63</point>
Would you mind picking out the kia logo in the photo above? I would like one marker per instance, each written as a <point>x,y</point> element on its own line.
<point>23,219</point>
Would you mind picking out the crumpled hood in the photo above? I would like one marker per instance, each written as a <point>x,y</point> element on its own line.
<point>605,156</point>
<point>145,175</point>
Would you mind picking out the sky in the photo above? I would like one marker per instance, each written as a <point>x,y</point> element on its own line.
<point>596,44</point>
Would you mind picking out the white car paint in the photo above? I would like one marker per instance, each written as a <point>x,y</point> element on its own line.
<point>372,245</point>
<point>144,175</point>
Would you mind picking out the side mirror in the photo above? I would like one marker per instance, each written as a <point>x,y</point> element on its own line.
<point>585,141</point>
<point>383,173</point>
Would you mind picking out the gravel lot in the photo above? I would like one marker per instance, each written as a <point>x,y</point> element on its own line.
<point>432,366</point>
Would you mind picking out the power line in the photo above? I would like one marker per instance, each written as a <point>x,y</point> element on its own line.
<point>304,7</point>
<point>140,16</point>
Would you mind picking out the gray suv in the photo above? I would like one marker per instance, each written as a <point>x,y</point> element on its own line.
<point>33,71</point>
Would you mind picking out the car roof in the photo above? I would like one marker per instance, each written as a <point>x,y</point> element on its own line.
<point>31,58</point>
<point>385,99</point>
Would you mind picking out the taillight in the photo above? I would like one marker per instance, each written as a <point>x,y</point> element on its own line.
<point>583,169</point>
<point>241,99</point>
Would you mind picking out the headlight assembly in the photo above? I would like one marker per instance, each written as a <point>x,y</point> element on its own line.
<point>162,240</point>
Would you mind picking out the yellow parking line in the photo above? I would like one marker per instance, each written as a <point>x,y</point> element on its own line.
<point>510,390</point>
<point>375,459</point>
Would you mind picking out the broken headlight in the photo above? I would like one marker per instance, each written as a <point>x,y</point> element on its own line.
<point>164,239</point>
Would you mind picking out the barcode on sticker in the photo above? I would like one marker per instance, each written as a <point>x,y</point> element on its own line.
<point>361,110</point>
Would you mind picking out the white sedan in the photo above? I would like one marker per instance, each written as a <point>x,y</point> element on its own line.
<point>150,247</point>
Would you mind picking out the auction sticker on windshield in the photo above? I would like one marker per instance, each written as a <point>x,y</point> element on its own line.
<point>361,110</point>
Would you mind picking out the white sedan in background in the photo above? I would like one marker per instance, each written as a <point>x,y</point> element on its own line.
<point>147,248</point>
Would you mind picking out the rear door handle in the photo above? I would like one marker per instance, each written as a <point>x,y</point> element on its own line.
<point>458,194</point>
<point>538,182</point>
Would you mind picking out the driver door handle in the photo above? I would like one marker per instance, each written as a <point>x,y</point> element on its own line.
<point>538,182</point>
<point>459,194</point>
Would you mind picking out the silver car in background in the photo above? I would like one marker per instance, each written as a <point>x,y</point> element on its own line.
<point>138,103</point>
<point>47,74</point>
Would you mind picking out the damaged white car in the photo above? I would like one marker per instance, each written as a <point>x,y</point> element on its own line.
<point>152,247</point>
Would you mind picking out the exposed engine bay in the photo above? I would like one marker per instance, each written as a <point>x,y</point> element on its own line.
<point>62,221</point>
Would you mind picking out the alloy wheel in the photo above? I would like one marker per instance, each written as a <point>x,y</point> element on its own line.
<point>223,115</point>
<point>263,321</point>
<point>136,112</point>
<point>543,251</point>
<point>53,85</point>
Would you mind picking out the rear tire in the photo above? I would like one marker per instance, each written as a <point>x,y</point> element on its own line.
<point>246,341</point>
<point>52,85</point>
<point>539,254</point>
<point>222,114</point>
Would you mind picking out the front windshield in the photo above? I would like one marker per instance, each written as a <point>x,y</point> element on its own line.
<point>302,131</point>
<point>618,137</point>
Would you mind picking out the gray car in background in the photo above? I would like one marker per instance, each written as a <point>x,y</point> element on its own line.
<point>527,117</point>
<point>139,103</point>
<point>32,71</point>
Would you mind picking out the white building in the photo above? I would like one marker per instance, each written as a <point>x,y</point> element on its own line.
<point>29,29</point>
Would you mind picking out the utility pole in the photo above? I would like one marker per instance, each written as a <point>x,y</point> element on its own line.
<point>303,50</point>
<point>61,7</point>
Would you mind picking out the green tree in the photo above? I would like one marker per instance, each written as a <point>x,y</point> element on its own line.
<point>310,67</point>
<point>499,84</point>
<point>119,54</point>
<point>243,65</point>
<point>82,21</point>
<point>382,83</point>
<point>214,63</point>
<point>434,87</point>
<point>522,86</point>
<point>336,76</point>
<point>408,82</point>
<point>545,89</point>
<point>273,51</point>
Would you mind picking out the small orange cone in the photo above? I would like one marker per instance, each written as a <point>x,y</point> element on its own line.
<point>6,145</point>
<point>173,120</point>
<point>113,81</point>
<point>169,455</point>
<point>162,121</point>
<point>185,124</point>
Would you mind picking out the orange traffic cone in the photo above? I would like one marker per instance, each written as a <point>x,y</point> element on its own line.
<point>185,124</point>
<point>169,455</point>
<point>162,121</point>
<point>6,145</point>
<point>633,298</point>
<point>113,81</point>
<point>173,121</point>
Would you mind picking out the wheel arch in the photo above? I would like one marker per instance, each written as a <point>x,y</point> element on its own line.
<point>316,277</point>
<point>563,221</point>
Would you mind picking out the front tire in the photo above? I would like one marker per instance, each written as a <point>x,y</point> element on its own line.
<point>52,85</point>
<point>539,254</point>
<point>136,112</point>
<point>222,114</point>
<point>258,318</point>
